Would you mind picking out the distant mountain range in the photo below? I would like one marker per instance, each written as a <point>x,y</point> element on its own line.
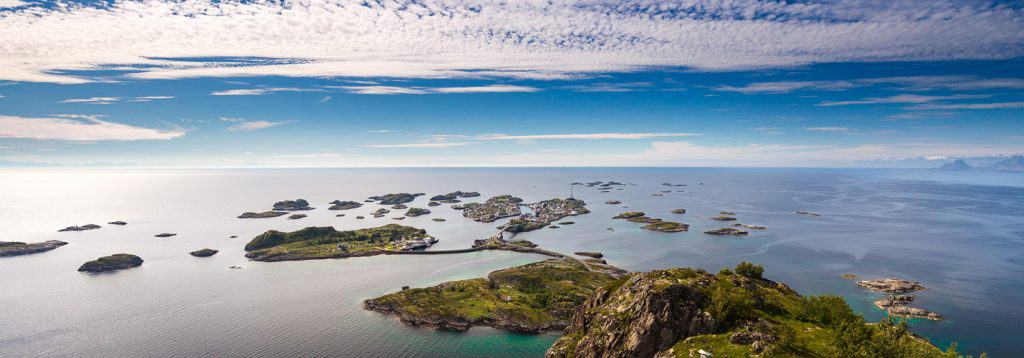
<point>1012,164</point>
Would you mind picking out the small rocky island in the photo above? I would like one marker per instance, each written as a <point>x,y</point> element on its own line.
<point>393,199</point>
<point>414,212</point>
<point>165,234</point>
<point>296,216</point>
<point>653,224</point>
<point>13,248</point>
<point>495,208</point>
<point>726,231</point>
<point>344,205</point>
<point>203,253</point>
<point>326,242</point>
<point>679,211</point>
<point>380,212</point>
<point>111,263</point>
<point>897,302</point>
<point>118,223</point>
<point>453,196</point>
<point>80,228</point>
<point>530,298</point>
<point>292,205</point>
<point>263,215</point>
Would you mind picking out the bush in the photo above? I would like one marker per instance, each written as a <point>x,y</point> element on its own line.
<point>750,270</point>
<point>827,310</point>
<point>730,304</point>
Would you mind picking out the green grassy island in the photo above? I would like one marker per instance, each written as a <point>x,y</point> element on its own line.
<point>530,298</point>
<point>653,224</point>
<point>14,248</point>
<point>326,242</point>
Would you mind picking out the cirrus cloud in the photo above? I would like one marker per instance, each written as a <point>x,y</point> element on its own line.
<point>78,129</point>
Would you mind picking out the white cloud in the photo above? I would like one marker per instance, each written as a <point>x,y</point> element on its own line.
<point>610,87</point>
<point>688,153</point>
<point>585,136</point>
<point>260,91</point>
<point>464,38</point>
<point>421,145</point>
<point>86,129</point>
<point>112,100</point>
<point>12,3</point>
<point>374,89</point>
<point>903,99</point>
<point>788,86</point>
<point>248,126</point>
<point>956,83</point>
<point>996,105</point>
<point>827,129</point>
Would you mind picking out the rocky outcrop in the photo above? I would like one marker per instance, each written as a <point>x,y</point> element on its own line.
<point>111,263</point>
<point>344,205</point>
<point>646,314</point>
<point>801,212</point>
<point>752,227</point>
<point>595,255</point>
<point>296,216</point>
<point>414,212</point>
<point>292,205</point>
<point>899,306</point>
<point>119,223</point>
<point>165,234</point>
<point>455,195</point>
<point>21,248</point>
<point>891,285</point>
<point>204,253</point>
<point>392,199</point>
<point>726,231</point>
<point>263,215</point>
<point>80,228</point>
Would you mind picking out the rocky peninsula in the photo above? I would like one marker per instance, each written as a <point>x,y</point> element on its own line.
<point>679,312</point>
<point>111,263</point>
<point>9,248</point>
<point>530,298</point>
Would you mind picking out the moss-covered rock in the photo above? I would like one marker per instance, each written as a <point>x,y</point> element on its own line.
<point>111,263</point>
<point>203,253</point>
<point>325,242</point>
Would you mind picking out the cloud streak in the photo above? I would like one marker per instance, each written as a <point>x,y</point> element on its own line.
<point>420,145</point>
<point>83,129</point>
<point>112,100</point>
<point>390,90</point>
<point>464,38</point>
<point>584,136</point>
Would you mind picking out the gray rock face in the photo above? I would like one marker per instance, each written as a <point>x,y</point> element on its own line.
<point>640,318</point>
<point>891,285</point>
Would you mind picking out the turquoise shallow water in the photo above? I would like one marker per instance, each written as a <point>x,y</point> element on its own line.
<point>959,234</point>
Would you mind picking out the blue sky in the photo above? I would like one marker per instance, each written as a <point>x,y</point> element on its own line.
<point>338,83</point>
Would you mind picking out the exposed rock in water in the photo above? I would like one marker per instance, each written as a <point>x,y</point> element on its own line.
<point>20,248</point>
<point>111,263</point>
<point>679,211</point>
<point>653,224</point>
<point>263,215</point>
<point>339,215</point>
<point>438,219</point>
<point>891,285</point>
<point>726,231</point>
<point>433,203</point>
<point>900,306</point>
<point>119,222</point>
<point>399,206</point>
<point>360,217</point>
<point>398,218</point>
<point>380,212</point>
<point>80,228</point>
<point>752,227</point>
<point>849,276</point>
<point>613,202</point>
<point>567,223</point>
<point>296,216</point>
<point>292,205</point>
<point>595,255</point>
<point>203,253</point>
<point>553,227</point>
<point>166,234</point>
<point>801,212</point>
<point>344,205</point>
<point>723,218</point>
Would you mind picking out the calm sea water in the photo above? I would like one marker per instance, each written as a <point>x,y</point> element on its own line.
<point>960,234</point>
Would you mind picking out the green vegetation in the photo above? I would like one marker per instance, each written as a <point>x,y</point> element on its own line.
<point>793,325</point>
<point>417,212</point>
<point>528,298</point>
<point>326,242</point>
<point>666,226</point>
<point>111,263</point>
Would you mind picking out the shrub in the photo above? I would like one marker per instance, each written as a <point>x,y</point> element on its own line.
<point>827,310</point>
<point>750,270</point>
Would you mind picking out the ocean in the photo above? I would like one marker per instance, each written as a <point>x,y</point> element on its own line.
<point>959,234</point>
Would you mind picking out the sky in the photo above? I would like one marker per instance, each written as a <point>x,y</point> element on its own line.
<point>332,83</point>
